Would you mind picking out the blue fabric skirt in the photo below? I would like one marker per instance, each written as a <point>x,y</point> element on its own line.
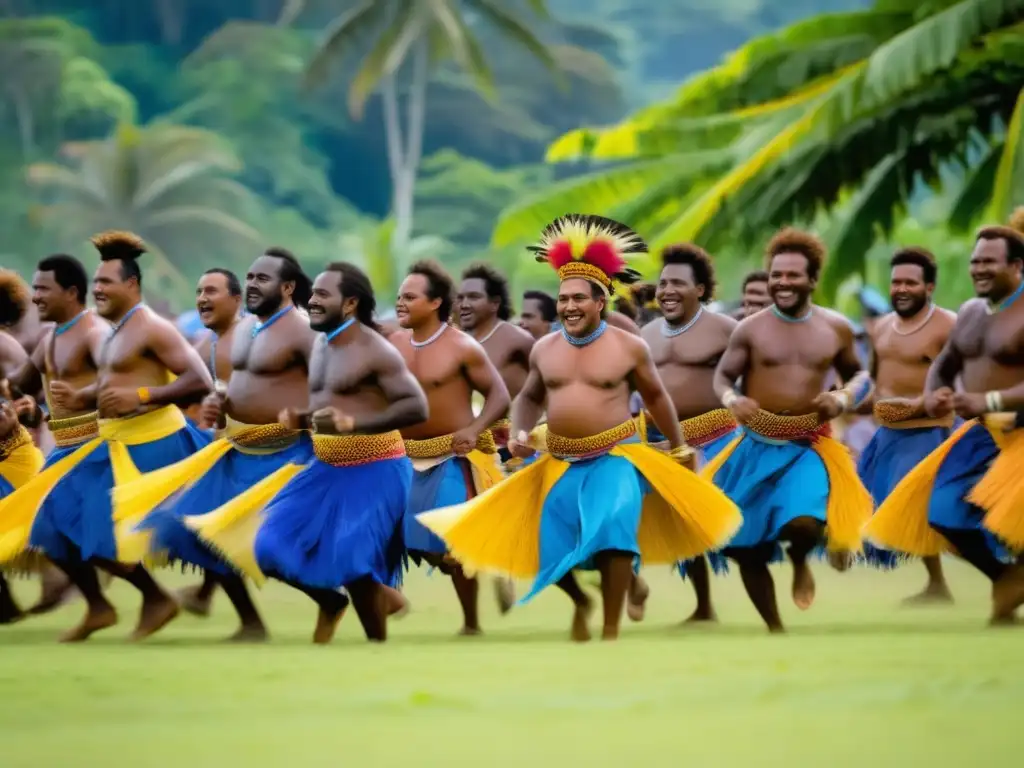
<point>443,485</point>
<point>233,474</point>
<point>75,520</point>
<point>331,526</point>
<point>886,460</point>
<point>594,507</point>
<point>5,487</point>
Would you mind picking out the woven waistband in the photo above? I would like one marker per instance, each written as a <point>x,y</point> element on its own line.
<point>19,437</point>
<point>774,426</point>
<point>902,416</point>
<point>708,427</point>
<point>349,450</point>
<point>75,429</point>
<point>500,430</point>
<point>261,437</point>
<point>595,445</point>
<point>433,447</point>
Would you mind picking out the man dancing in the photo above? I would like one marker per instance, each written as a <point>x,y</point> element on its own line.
<point>538,314</point>
<point>601,498</point>
<point>967,493</point>
<point>905,344</point>
<point>129,370</point>
<point>336,521</point>
<point>755,293</point>
<point>686,345</point>
<point>788,476</point>
<point>453,451</point>
<point>270,355</point>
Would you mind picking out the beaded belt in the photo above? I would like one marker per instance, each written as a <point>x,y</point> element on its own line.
<point>18,438</point>
<point>264,437</point>
<point>902,416</point>
<point>500,429</point>
<point>433,447</point>
<point>595,445</point>
<point>706,428</point>
<point>774,426</point>
<point>350,450</point>
<point>75,429</point>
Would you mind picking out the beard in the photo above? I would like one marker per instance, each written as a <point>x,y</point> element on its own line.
<point>325,323</point>
<point>917,303</point>
<point>263,305</point>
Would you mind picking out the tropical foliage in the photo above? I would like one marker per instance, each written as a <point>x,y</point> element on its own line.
<point>849,113</point>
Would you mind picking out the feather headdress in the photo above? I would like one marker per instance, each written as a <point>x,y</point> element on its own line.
<point>591,247</point>
<point>118,245</point>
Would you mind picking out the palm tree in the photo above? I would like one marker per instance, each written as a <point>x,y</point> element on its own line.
<point>168,184</point>
<point>414,36</point>
<point>845,112</point>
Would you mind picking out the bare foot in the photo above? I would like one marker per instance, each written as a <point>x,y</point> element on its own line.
<point>57,590</point>
<point>505,592</point>
<point>470,632</point>
<point>192,601</point>
<point>636,598</point>
<point>397,603</point>
<point>776,629</point>
<point>702,616</point>
<point>250,633</point>
<point>581,622</point>
<point>803,586</point>
<point>841,561</point>
<point>95,620</point>
<point>933,594</point>
<point>157,612</point>
<point>1008,594</point>
<point>610,633</point>
<point>326,625</point>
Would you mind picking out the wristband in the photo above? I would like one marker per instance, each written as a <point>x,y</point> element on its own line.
<point>994,401</point>
<point>729,397</point>
<point>681,453</point>
<point>143,393</point>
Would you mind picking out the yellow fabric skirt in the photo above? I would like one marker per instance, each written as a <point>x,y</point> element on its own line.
<point>21,459</point>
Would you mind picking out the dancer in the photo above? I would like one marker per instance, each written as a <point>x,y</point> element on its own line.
<point>338,520</point>
<point>686,345</point>
<point>453,452</point>
<point>128,369</point>
<point>218,301</point>
<point>538,314</point>
<point>270,355</point>
<point>788,476</point>
<point>600,499</point>
<point>905,344</point>
<point>755,293</point>
<point>967,494</point>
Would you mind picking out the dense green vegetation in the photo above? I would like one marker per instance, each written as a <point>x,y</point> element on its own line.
<point>212,128</point>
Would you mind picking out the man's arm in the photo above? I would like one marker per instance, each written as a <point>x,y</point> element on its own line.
<point>858,383</point>
<point>27,377</point>
<point>485,379</point>
<point>656,399</point>
<point>407,403</point>
<point>620,321</point>
<point>175,354</point>
<point>733,364</point>
<point>528,406</point>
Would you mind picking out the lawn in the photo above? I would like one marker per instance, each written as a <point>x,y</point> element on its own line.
<point>858,681</point>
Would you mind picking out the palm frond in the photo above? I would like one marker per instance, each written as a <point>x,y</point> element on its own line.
<point>202,216</point>
<point>976,191</point>
<point>347,29</point>
<point>1008,190</point>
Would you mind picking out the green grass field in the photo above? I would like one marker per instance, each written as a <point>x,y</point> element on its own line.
<point>857,681</point>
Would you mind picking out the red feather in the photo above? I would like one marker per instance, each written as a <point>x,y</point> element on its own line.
<point>560,254</point>
<point>603,255</point>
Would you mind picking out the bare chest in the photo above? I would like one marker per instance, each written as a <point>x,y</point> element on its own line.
<point>435,368</point>
<point>909,350</point>
<point>339,370</point>
<point>699,350</point>
<point>808,345</point>
<point>122,352</point>
<point>69,356</point>
<point>999,337</point>
<point>267,353</point>
<point>564,367</point>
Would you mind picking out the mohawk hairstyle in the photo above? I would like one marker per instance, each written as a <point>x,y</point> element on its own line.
<point>14,298</point>
<point>792,240</point>
<point>698,260</point>
<point>591,247</point>
<point>1014,240</point>
<point>115,244</point>
<point>495,284</point>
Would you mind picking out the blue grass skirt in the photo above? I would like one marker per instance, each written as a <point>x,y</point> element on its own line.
<point>333,525</point>
<point>443,485</point>
<point>233,474</point>
<point>886,460</point>
<point>75,519</point>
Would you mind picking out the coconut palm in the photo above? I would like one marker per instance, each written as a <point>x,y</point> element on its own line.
<point>846,111</point>
<point>168,184</point>
<point>414,36</point>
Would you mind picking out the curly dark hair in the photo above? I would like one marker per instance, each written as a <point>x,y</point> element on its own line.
<point>291,272</point>
<point>698,260</point>
<point>495,284</point>
<point>920,257</point>
<point>439,285</point>
<point>757,276</point>
<point>14,297</point>
<point>1014,240</point>
<point>792,240</point>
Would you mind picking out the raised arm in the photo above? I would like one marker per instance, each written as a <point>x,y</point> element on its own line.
<point>656,399</point>
<point>407,403</point>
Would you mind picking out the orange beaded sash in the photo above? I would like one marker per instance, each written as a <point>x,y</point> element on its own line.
<point>588,447</point>
<point>75,430</point>
<point>434,447</point>
<point>351,450</point>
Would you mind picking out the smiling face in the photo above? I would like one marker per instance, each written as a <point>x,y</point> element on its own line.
<point>755,297</point>
<point>112,294</point>
<point>265,292</point>
<point>414,306</point>
<point>578,310</point>
<point>473,304</point>
<point>54,304</point>
<point>994,276</point>
<point>327,308</point>
<point>789,285</point>
<point>216,306</point>
<point>531,319</point>
<point>908,291</point>
<point>677,293</point>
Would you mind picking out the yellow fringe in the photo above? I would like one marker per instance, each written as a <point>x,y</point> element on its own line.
<point>901,522</point>
<point>497,532</point>
<point>849,503</point>
<point>231,528</point>
<point>22,463</point>
<point>1001,491</point>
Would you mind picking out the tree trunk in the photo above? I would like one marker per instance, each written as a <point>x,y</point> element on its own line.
<point>172,21</point>
<point>404,189</point>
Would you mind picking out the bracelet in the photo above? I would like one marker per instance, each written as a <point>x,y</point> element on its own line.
<point>143,393</point>
<point>994,401</point>
<point>681,453</point>
<point>729,397</point>
<point>844,397</point>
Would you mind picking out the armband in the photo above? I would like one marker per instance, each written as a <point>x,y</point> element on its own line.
<point>994,401</point>
<point>729,397</point>
<point>853,395</point>
<point>143,393</point>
